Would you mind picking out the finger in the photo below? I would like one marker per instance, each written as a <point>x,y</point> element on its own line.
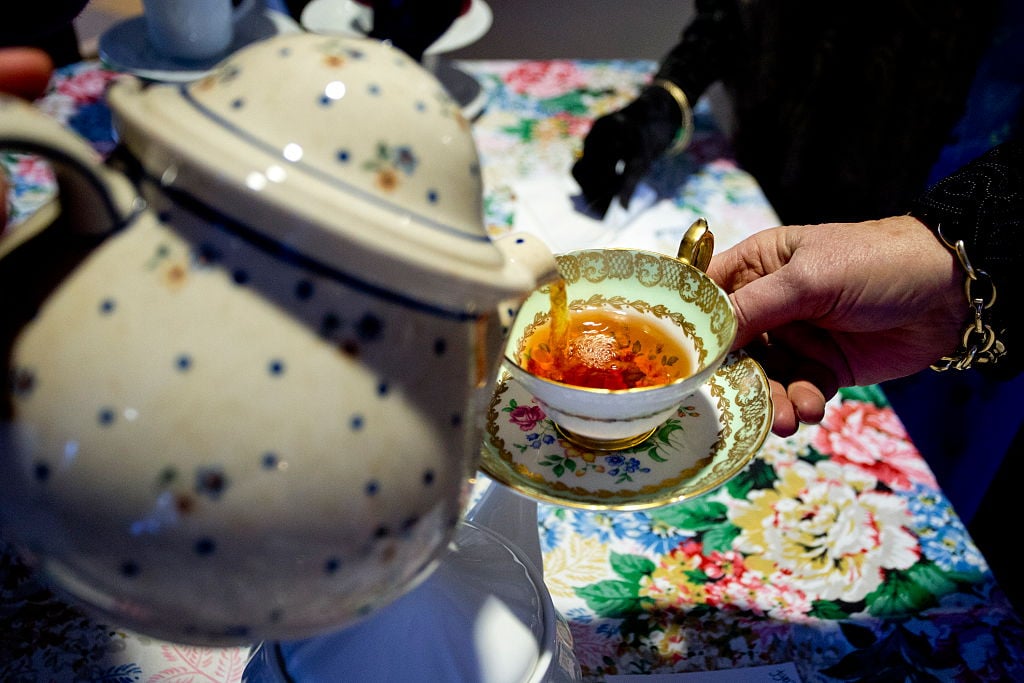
<point>802,386</point>
<point>814,357</point>
<point>24,71</point>
<point>808,401</point>
<point>775,364</point>
<point>784,418</point>
<point>764,304</point>
<point>744,262</point>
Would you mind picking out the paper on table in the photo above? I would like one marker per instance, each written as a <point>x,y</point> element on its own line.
<point>772,673</point>
<point>551,208</point>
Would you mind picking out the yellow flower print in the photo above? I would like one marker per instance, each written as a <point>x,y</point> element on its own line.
<point>174,274</point>
<point>387,179</point>
<point>389,162</point>
<point>579,561</point>
<point>826,528</point>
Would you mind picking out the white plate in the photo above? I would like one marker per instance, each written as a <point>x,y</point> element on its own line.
<point>347,18</point>
<point>126,47</point>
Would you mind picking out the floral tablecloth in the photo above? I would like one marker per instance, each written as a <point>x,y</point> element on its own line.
<point>834,549</point>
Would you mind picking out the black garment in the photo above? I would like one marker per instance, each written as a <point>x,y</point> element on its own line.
<point>983,205</point>
<point>841,108</point>
<point>46,25</point>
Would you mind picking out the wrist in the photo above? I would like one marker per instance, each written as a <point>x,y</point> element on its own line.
<point>980,343</point>
<point>674,102</point>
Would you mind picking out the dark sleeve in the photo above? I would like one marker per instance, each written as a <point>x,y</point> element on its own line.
<point>703,55</point>
<point>983,204</point>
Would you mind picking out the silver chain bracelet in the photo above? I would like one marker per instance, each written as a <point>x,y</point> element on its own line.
<point>979,345</point>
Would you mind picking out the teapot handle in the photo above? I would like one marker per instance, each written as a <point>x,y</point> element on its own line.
<point>95,199</point>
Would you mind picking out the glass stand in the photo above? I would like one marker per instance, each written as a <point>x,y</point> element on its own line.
<point>483,616</point>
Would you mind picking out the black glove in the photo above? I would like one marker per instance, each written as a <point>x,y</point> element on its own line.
<point>620,148</point>
<point>413,25</point>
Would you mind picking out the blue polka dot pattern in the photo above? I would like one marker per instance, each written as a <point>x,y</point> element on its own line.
<point>275,367</point>
<point>304,290</point>
<point>205,546</point>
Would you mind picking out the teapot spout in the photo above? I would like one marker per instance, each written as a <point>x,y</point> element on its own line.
<point>529,262</point>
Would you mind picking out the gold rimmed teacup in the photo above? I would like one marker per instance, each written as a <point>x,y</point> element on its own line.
<point>673,293</point>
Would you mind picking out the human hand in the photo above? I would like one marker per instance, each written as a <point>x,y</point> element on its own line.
<point>24,72</point>
<point>621,146</point>
<point>845,304</point>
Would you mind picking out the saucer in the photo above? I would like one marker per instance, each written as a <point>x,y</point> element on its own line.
<point>341,17</point>
<point>713,436</point>
<point>126,47</point>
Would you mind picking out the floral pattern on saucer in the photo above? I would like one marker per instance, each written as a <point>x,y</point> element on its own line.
<point>713,435</point>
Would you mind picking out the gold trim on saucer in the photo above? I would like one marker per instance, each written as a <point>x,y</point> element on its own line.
<point>714,435</point>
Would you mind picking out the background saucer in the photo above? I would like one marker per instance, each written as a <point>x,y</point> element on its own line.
<point>714,435</point>
<point>339,17</point>
<point>126,47</point>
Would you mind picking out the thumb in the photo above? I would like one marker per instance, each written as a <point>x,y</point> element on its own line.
<point>764,304</point>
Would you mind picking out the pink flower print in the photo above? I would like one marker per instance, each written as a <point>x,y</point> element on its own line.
<point>34,170</point>
<point>87,86</point>
<point>526,417</point>
<point>873,440</point>
<point>189,664</point>
<point>545,79</point>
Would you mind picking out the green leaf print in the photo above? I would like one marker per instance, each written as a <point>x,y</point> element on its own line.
<point>631,567</point>
<point>613,598</point>
<point>522,130</point>
<point>868,394</point>
<point>832,610</point>
<point>910,591</point>
<point>757,475</point>
<point>720,538</point>
<point>572,102</point>
<point>696,515</point>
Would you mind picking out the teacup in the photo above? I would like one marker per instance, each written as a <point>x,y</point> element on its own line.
<point>672,295</point>
<point>193,30</point>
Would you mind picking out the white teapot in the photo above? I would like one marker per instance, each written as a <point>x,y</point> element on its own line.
<point>247,356</point>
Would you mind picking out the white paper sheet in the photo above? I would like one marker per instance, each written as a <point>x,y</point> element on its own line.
<point>550,208</point>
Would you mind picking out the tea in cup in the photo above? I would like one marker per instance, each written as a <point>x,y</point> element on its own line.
<point>643,331</point>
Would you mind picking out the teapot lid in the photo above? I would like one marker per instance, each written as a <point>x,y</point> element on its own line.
<point>342,149</point>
